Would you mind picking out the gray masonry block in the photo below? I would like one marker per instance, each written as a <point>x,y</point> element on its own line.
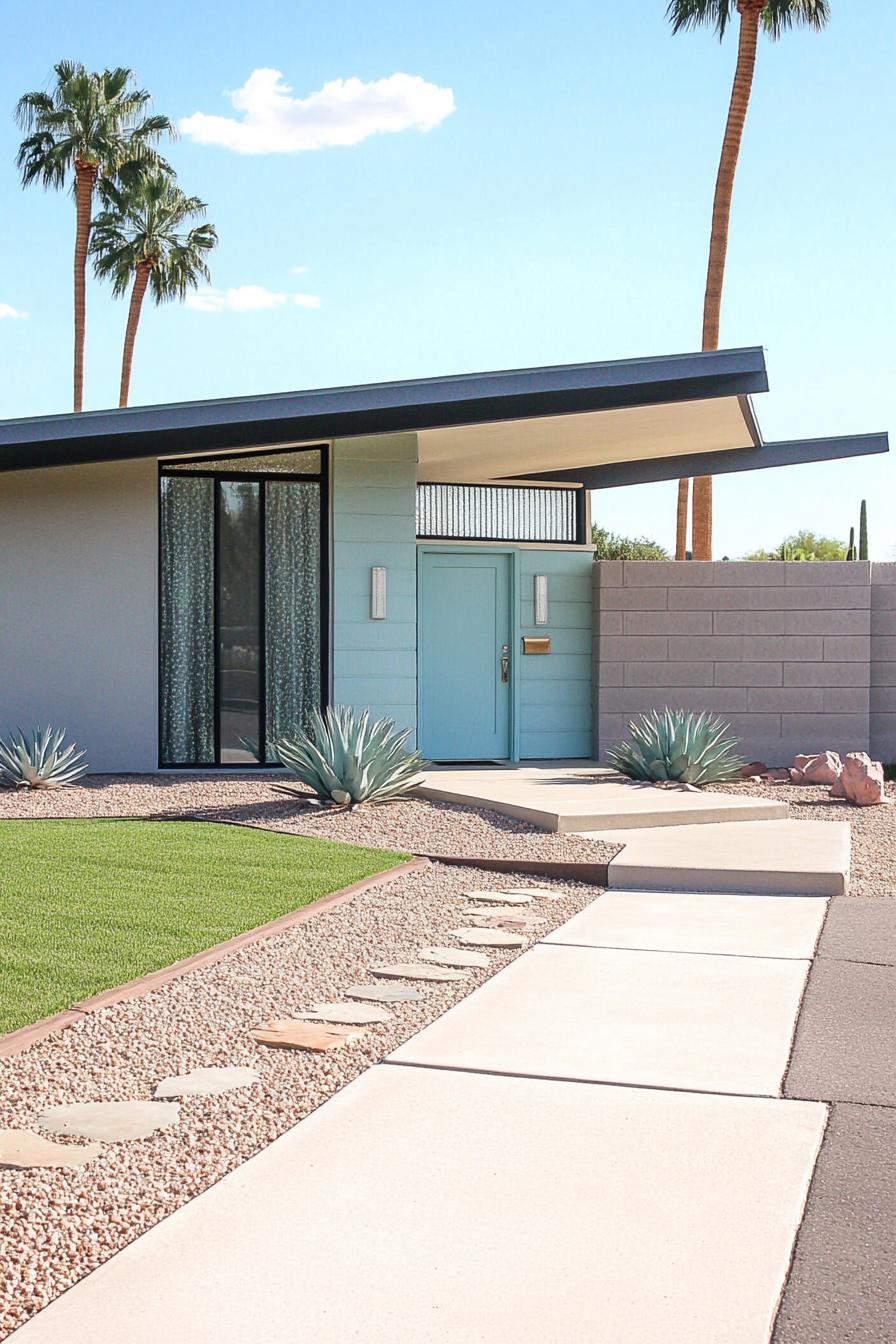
<point>883,572</point>
<point>613,674</point>
<point>883,699</point>
<point>609,623</point>
<point>608,573</point>
<point>826,674</point>
<point>882,673</point>
<point>784,699</point>
<point>751,727</point>
<point>666,622</point>
<point>669,674</point>
<point>827,622</point>
<point>787,648</point>
<point>633,599</point>
<point>846,699</point>
<point>749,573</point>
<point>883,648</point>
<point>883,620</point>
<point>640,700</point>
<point>883,597</point>
<point>748,674</point>
<point>840,598</point>
<point>749,622</point>
<point>634,648</point>
<point>718,648</point>
<point>828,572</point>
<point>817,732</point>
<point>883,737</point>
<point>848,649</point>
<point>668,573</point>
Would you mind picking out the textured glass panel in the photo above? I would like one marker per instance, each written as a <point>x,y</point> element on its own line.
<point>187,622</point>
<point>292,605</point>
<point>239,621</point>
<point>301,462</point>
<point>496,513</point>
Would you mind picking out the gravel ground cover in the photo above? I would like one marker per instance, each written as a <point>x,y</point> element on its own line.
<point>415,825</point>
<point>873,829</point>
<point>56,1226</point>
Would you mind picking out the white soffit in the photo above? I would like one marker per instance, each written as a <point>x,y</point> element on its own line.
<point>516,447</point>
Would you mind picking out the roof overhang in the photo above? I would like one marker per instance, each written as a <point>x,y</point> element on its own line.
<point>559,409</point>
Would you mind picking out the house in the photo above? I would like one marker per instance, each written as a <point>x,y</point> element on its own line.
<point>181,583</point>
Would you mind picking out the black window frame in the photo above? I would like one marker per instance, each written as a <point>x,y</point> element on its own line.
<point>322,477</point>
<point>579,538</point>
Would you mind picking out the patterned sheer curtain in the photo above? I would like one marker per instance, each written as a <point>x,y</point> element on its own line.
<point>292,605</point>
<point>187,621</point>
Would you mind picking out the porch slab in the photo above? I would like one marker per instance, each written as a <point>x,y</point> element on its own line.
<point>797,858</point>
<point>584,796</point>
<point>653,1019</point>
<point>732,925</point>
<point>474,1208</point>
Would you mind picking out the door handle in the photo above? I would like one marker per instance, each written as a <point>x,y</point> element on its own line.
<point>505,663</point>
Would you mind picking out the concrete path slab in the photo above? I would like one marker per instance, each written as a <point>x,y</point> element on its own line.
<point>842,1286</point>
<point>843,1049</point>
<point>720,1024</point>
<point>798,858</point>
<point>745,926</point>
<point>583,796</point>
<point>860,929</point>
<point>422,1205</point>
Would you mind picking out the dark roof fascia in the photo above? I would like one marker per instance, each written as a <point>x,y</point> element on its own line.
<point>646,471</point>
<point>377,408</point>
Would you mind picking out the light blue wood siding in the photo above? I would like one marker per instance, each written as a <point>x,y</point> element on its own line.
<point>555,691</point>
<point>374,663</point>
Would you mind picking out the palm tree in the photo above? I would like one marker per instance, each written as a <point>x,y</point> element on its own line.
<point>93,126</point>
<point>142,240</point>
<point>774,17</point>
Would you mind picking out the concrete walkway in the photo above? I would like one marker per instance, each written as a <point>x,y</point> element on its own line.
<point>593,1145</point>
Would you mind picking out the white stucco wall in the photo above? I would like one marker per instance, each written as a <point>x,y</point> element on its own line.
<point>78,608</point>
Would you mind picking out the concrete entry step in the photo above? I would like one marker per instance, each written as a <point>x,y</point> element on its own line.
<point>477,1208</point>
<point>788,858</point>
<point>583,796</point>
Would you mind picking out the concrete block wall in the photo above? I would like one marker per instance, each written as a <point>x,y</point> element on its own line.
<point>797,656</point>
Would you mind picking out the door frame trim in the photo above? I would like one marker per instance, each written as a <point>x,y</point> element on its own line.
<point>429,548</point>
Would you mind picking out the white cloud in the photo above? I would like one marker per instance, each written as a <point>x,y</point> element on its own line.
<point>7,310</point>
<point>299,270</point>
<point>246,299</point>
<point>343,112</point>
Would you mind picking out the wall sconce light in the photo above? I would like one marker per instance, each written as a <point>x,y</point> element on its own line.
<point>541,599</point>
<point>377,593</point>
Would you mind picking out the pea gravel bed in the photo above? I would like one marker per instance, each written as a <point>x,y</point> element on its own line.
<point>58,1225</point>
<point>873,829</point>
<point>414,824</point>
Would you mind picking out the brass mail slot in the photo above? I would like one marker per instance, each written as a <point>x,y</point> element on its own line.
<point>536,644</point>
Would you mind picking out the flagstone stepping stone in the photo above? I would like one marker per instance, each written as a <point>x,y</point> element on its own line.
<point>385,993</point>
<point>487,938</point>
<point>205,1082</point>
<point>416,971</point>
<point>519,897</point>
<point>517,925</point>
<point>292,1034</point>
<point>351,1014</point>
<point>109,1121</point>
<point>504,912</point>
<point>538,893</point>
<point>453,956</point>
<point>24,1148</point>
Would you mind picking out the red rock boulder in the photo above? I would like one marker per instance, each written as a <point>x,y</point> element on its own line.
<point>861,782</point>
<point>825,767</point>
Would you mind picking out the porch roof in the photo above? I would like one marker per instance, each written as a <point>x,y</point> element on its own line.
<point>642,417</point>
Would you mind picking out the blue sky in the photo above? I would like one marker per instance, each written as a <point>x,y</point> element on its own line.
<point>559,213</point>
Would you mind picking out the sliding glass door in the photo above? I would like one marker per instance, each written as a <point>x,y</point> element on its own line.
<point>241,605</point>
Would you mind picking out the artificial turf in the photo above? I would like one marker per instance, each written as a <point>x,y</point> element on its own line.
<point>87,905</point>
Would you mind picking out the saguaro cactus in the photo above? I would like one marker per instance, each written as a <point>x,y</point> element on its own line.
<point>851,548</point>
<point>863,531</point>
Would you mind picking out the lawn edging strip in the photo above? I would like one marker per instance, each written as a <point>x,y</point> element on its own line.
<point>13,1042</point>
<point>576,870</point>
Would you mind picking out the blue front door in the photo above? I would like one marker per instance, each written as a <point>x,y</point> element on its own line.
<point>465,667</point>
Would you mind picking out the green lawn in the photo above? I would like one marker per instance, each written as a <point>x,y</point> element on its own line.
<point>86,905</point>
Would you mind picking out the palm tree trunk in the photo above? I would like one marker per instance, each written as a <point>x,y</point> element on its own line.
<point>141,280</point>
<point>85,178</point>
<point>681,520</point>
<point>750,12</point>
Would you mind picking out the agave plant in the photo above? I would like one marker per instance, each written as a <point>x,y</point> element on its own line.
<point>675,744</point>
<point>40,761</point>
<point>346,759</point>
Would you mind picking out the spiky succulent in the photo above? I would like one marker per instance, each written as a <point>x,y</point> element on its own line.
<point>346,759</point>
<point>39,760</point>
<point>679,745</point>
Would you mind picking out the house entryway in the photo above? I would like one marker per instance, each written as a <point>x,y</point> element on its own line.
<point>465,655</point>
